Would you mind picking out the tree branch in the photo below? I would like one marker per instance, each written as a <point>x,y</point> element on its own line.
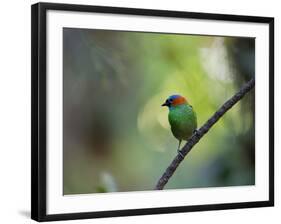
<point>194,139</point>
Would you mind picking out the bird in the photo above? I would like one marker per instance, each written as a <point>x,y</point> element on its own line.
<point>182,118</point>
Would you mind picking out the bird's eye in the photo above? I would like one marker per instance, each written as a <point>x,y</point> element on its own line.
<point>170,100</point>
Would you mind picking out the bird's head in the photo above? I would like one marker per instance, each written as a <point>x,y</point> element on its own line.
<point>175,100</point>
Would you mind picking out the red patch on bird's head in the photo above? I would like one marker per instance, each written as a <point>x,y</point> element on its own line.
<point>178,101</point>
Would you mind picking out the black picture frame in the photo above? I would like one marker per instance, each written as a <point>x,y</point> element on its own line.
<point>38,110</point>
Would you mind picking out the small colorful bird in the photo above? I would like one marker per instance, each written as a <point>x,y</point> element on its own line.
<point>182,118</point>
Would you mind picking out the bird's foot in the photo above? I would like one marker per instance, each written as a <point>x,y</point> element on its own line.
<point>195,132</point>
<point>179,152</point>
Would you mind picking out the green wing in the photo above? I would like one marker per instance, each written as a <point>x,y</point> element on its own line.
<point>183,121</point>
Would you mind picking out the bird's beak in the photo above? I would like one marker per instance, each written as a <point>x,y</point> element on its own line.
<point>165,104</point>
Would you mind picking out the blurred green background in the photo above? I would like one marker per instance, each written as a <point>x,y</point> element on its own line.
<point>116,134</point>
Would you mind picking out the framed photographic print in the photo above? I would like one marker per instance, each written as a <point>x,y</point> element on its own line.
<point>139,111</point>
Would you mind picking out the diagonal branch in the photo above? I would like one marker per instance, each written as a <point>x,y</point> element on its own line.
<point>194,139</point>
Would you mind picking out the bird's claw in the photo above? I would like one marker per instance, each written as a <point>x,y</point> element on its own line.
<point>195,132</point>
<point>179,152</point>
